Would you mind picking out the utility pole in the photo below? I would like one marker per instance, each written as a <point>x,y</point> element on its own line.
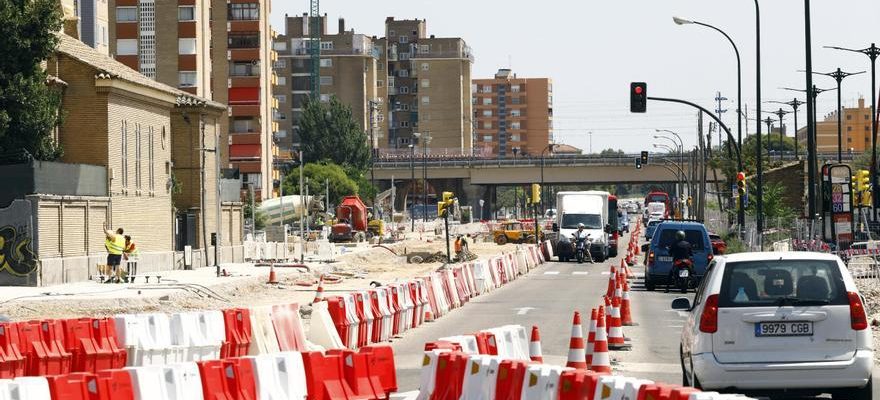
<point>374,151</point>
<point>302,245</point>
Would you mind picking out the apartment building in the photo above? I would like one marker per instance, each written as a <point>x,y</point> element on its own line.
<point>856,132</point>
<point>426,83</point>
<point>92,22</point>
<point>348,71</point>
<point>214,49</point>
<point>513,114</point>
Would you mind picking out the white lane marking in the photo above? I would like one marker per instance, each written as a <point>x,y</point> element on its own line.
<point>649,367</point>
<point>606,272</point>
<point>675,326</point>
<point>524,310</point>
<point>551,273</point>
<point>411,395</point>
<point>580,273</point>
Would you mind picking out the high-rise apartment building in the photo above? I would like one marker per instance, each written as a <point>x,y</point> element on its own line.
<point>348,71</point>
<point>856,132</point>
<point>513,114</point>
<point>426,84</point>
<point>92,22</point>
<point>220,50</point>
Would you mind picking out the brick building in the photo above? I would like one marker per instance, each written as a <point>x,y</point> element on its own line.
<point>856,133</point>
<point>513,113</point>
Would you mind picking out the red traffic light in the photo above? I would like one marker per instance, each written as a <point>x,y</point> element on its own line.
<point>639,89</point>
<point>740,176</point>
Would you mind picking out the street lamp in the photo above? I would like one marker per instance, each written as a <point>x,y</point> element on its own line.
<point>872,53</point>
<point>515,188</point>
<point>794,104</point>
<point>838,77</point>
<point>670,150</point>
<point>425,139</point>
<point>550,148</point>
<point>412,185</point>
<point>682,21</point>
<point>781,114</point>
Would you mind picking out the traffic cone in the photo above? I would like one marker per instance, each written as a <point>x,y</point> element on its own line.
<point>319,293</point>
<point>273,280</point>
<point>612,278</point>
<point>601,360</point>
<point>638,250</point>
<point>616,340</point>
<point>618,291</point>
<point>607,314</point>
<point>625,311</point>
<point>577,357</point>
<point>535,346</point>
<point>591,337</point>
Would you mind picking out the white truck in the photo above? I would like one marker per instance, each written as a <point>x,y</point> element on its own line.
<point>589,208</point>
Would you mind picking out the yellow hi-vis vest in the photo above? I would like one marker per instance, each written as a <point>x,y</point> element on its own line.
<point>115,246</point>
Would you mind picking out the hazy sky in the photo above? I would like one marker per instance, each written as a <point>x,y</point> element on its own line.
<point>592,50</point>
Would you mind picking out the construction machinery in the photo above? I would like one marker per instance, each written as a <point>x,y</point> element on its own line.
<point>513,232</point>
<point>351,221</point>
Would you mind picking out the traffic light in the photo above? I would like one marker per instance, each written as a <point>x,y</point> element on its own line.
<point>644,158</point>
<point>446,202</point>
<point>863,186</point>
<point>638,163</point>
<point>638,97</point>
<point>536,193</point>
<point>741,183</point>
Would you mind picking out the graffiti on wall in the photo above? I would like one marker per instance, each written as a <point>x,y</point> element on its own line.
<point>16,254</point>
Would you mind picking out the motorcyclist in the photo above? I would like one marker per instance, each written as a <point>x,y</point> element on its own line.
<point>680,250</point>
<point>581,233</point>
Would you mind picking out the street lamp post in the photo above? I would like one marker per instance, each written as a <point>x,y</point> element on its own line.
<point>794,104</point>
<point>781,114</point>
<point>812,174</point>
<point>769,122</point>
<point>549,148</point>
<point>759,201</point>
<point>412,185</point>
<point>425,139</point>
<point>680,183</point>
<point>515,188</point>
<point>838,77</point>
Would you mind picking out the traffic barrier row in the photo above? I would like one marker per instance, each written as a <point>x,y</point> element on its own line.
<point>45,347</point>
<point>340,374</point>
<point>508,341</point>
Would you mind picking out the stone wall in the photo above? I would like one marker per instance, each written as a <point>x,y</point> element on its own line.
<point>791,177</point>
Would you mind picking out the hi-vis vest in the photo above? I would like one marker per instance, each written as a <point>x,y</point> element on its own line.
<point>115,246</point>
<point>131,249</point>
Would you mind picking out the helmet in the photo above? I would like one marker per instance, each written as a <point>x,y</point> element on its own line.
<point>680,235</point>
<point>580,226</point>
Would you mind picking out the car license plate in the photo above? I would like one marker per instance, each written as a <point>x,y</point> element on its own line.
<point>683,273</point>
<point>664,258</point>
<point>787,328</point>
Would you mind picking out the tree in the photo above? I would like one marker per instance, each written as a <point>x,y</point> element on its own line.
<point>329,133</point>
<point>252,210</point>
<point>611,153</point>
<point>318,175</point>
<point>29,108</point>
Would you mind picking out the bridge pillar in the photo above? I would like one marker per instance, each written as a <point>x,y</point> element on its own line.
<point>472,196</point>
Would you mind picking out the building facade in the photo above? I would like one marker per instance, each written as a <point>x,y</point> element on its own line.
<point>92,21</point>
<point>218,50</point>
<point>348,71</point>
<point>855,135</point>
<point>514,115</point>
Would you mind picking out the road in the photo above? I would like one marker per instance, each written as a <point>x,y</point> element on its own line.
<point>549,295</point>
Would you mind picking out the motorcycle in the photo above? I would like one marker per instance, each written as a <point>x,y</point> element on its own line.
<point>582,248</point>
<point>683,274</point>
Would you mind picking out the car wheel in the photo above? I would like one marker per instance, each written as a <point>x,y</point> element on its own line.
<point>501,239</point>
<point>858,394</point>
<point>649,284</point>
<point>684,374</point>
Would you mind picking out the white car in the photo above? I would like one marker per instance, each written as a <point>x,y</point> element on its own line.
<point>790,322</point>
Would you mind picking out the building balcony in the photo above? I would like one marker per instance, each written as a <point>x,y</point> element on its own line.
<point>248,54</point>
<point>244,81</point>
<point>245,110</point>
<point>247,166</point>
<point>245,138</point>
<point>244,26</point>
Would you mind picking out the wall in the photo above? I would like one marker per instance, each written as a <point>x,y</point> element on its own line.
<point>18,265</point>
<point>52,178</point>
<point>791,177</point>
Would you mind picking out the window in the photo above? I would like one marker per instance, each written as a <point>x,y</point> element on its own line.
<point>281,133</point>
<point>282,63</point>
<point>515,113</point>
<point>487,125</point>
<point>380,83</point>
<point>426,83</point>
<point>391,81</point>
<point>186,46</point>
<point>152,160</point>
<point>403,56</point>
<point>326,62</point>
<point>424,49</point>
<point>426,100</point>
<point>404,39</point>
<point>381,118</point>
<point>403,73</point>
<point>404,124</point>
<point>867,117</point>
<point>126,47</point>
<point>243,125</point>
<point>282,81</point>
<point>487,113</point>
<point>126,14</point>
<point>281,98</point>
<point>425,66</point>
<point>325,98</point>
<point>515,137</point>
<point>404,107</point>
<point>137,156</point>
<point>849,129</point>
<point>515,100</point>
<point>487,101</point>
<point>186,78</point>
<point>244,41</point>
<point>326,80</point>
<point>124,159</point>
<point>487,138</point>
<point>849,117</point>
<point>326,45</point>
<point>186,13</point>
<point>404,89</point>
<point>514,88</point>
<point>774,283</point>
<point>244,68</point>
<point>244,11</point>
<point>279,46</point>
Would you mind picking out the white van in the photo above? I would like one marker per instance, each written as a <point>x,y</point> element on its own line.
<point>589,208</point>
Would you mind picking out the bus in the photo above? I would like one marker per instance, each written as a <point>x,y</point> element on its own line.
<point>660,197</point>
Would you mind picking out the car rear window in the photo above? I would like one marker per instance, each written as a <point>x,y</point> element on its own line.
<point>693,236</point>
<point>782,283</point>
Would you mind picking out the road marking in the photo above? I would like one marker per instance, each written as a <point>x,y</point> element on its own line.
<point>682,314</point>
<point>649,367</point>
<point>551,273</point>
<point>411,395</point>
<point>580,273</point>
<point>606,272</point>
<point>675,326</point>
<point>524,310</point>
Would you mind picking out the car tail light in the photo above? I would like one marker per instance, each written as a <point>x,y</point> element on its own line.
<point>710,257</point>
<point>650,258</point>
<point>709,319</point>
<point>858,318</point>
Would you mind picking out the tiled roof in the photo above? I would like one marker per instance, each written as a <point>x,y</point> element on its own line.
<point>108,68</point>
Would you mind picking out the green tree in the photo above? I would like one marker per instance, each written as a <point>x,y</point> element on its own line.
<point>329,133</point>
<point>774,208</point>
<point>29,109</point>
<point>250,208</point>
<point>611,152</point>
<point>319,173</point>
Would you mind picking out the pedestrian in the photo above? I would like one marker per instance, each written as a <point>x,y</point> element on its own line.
<point>130,254</point>
<point>115,245</point>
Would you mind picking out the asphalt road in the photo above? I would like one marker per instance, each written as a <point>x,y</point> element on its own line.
<point>547,298</point>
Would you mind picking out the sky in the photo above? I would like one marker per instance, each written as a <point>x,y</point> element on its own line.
<point>593,50</point>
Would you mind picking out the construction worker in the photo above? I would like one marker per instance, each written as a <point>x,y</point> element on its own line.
<point>115,245</point>
<point>130,254</point>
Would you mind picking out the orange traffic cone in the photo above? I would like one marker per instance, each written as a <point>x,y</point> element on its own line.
<point>638,250</point>
<point>616,340</point>
<point>612,278</point>
<point>273,280</point>
<point>535,346</point>
<point>618,290</point>
<point>607,314</point>
<point>601,360</point>
<point>591,337</point>
<point>319,293</point>
<point>577,357</point>
<point>625,311</point>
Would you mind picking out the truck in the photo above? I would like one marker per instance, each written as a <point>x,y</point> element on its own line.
<point>589,208</point>
<point>351,221</point>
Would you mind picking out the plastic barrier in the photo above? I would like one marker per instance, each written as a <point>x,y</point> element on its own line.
<point>578,384</point>
<point>384,316</point>
<point>656,391</point>
<point>92,344</point>
<point>451,368</point>
<point>380,363</point>
<point>616,387</point>
<point>77,386</point>
<point>352,319</point>
<point>279,376</point>
<point>322,332</point>
<point>428,380</point>
<point>418,306</point>
<point>468,343</point>
<point>480,377</point>
<point>511,374</point>
<point>365,315</point>
<point>166,382</point>
<point>13,362</point>
<point>237,323</point>
<point>289,328</point>
<point>264,340</point>
<point>41,345</point>
<point>486,343</point>
<point>147,339</point>
<point>25,388</point>
<point>356,373</point>
<point>324,377</point>
<point>511,342</point>
<point>115,384</point>
<point>541,382</point>
<point>199,334</point>
<point>396,309</point>
<point>231,379</point>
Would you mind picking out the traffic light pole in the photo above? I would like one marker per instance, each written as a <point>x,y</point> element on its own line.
<point>741,215</point>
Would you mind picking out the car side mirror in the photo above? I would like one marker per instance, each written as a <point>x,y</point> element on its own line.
<point>681,303</point>
<point>555,227</point>
<point>645,247</point>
